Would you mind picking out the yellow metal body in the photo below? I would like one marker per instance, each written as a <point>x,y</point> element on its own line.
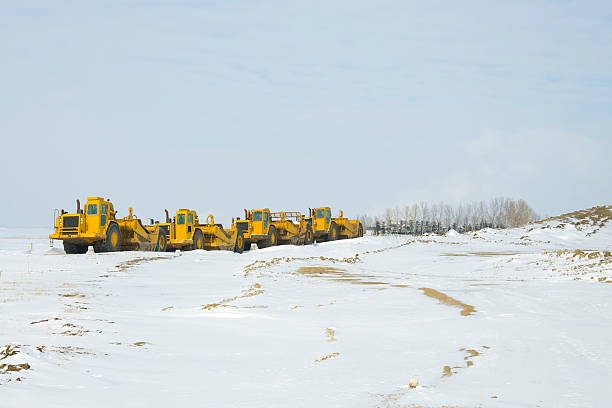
<point>275,228</point>
<point>292,227</point>
<point>186,232</point>
<point>328,228</point>
<point>97,225</point>
<point>256,225</point>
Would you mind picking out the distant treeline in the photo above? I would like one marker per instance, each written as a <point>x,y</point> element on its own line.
<point>423,217</point>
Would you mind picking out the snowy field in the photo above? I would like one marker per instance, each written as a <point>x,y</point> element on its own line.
<point>511,318</point>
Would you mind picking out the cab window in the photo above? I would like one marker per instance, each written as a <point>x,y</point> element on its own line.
<point>327,213</point>
<point>257,216</point>
<point>266,217</point>
<point>103,208</point>
<point>321,213</point>
<point>180,219</point>
<point>92,209</point>
<point>190,218</point>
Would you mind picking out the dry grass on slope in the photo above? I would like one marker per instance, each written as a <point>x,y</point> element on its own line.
<point>592,217</point>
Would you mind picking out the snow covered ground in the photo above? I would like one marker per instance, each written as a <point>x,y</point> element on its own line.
<point>508,318</point>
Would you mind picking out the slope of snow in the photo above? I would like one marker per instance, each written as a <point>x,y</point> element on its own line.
<point>507,318</point>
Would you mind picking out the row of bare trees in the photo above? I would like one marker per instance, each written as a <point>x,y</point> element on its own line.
<point>498,212</point>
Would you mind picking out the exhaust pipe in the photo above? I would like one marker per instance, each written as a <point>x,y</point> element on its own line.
<point>167,217</point>
<point>78,206</point>
<point>246,214</point>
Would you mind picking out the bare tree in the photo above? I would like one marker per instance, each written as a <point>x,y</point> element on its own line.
<point>498,212</point>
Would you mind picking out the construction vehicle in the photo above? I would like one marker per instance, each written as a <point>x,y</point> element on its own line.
<point>267,228</point>
<point>98,226</point>
<point>185,232</point>
<point>292,228</point>
<point>328,228</point>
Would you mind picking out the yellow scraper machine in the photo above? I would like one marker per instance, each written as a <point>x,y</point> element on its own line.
<point>267,228</point>
<point>328,228</point>
<point>96,225</point>
<point>185,232</point>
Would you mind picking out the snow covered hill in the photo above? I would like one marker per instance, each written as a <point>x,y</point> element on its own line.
<point>508,318</point>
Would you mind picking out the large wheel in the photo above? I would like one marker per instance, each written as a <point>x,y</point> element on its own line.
<point>247,245</point>
<point>239,247</point>
<point>262,243</point>
<point>71,248</point>
<point>333,232</point>
<point>113,238</point>
<point>309,237</point>
<point>198,240</point>
<point>99,246</point>
<point>272,236</point>
<point>161,243</point>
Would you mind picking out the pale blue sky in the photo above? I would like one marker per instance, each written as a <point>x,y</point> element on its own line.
<point>223,105</point>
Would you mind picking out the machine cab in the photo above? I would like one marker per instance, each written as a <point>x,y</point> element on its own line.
<point>322,218</point>
<point>98,213</point>
<point>184,223</point>
<point>260,221</point>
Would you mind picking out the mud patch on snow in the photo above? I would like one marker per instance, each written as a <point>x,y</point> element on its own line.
<point>481,253</point>
<point>11,362</point>
<point>331,333</point>
<point>136,261</point>
<point>65,350</point>
<point>327,357</point>
<point>45,320</point>
<point>577,263</point>
<point>448,371</point>
<point>70,329</point>
<point>71,295</point>
<point>276,261</point>
<point>494,253</point>
<point>8,350</point>
<point>252,290</point>
<point>466,309</point>
<point>339,275</point>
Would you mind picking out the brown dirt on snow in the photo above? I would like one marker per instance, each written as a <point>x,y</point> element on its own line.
<point>342,275</point>
<point>595,216</point>
<point>136,261</point>
<point>466,309</point>
<point>332,355</point>
<point>252,290</point>
<point>481,253</point>
<point>330,335</point>
<point>276,261</point>
<point>448,371</point>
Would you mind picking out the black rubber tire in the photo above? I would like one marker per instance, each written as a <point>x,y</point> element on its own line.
<point>247,245</point>
<point>309,236</point>
<point>98,247</point>
<point>333,232</point>
<point>198,240</point>
<point>272,236</point>
<point>108,245</point>
<point>239,240</point>
<point>262,243</point>
<point>162,243</point>
<point>71,248</point>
